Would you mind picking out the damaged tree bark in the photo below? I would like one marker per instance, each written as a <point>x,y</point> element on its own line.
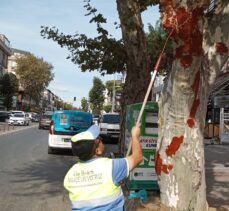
<point>199,55</point>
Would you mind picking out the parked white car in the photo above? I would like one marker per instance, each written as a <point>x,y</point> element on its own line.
<point>19,118</point>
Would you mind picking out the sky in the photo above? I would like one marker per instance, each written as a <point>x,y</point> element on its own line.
<point>21,21</point>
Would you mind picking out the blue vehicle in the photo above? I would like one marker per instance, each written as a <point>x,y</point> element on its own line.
<point>64,125</point>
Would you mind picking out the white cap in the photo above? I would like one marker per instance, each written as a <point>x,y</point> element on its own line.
<point>90,134</point>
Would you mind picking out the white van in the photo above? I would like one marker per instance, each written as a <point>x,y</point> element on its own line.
<point>110,126</point>
<point>64,125</point>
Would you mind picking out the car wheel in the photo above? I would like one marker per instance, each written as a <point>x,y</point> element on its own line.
<point>50,150</point>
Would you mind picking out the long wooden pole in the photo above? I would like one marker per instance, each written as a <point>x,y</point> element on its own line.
<point>147,95</point>
<point>156,68</point>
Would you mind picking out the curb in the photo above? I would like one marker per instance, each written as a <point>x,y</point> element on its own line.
<point>15,129</point>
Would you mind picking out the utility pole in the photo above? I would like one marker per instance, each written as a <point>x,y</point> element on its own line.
<point>113,97</point>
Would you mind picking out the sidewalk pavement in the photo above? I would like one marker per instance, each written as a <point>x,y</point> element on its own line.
<point>153,204</point>
<point>217,182</point>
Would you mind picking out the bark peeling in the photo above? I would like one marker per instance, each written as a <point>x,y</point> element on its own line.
<point>201,48</point>
<point>180,155</point>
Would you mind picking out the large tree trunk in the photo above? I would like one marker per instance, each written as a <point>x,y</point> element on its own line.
<point>138,71</point>
<point>180,151</point>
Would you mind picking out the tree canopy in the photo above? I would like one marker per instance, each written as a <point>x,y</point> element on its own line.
<point>103,53</point>
<point>96,97</point>
<point>84,104</point>
<point>8,88</point>
<point>155,39</point>
<point>34,74</point>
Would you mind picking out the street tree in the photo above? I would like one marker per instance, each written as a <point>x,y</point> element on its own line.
<point>155,39</point>
<point>8,88</point>
<point>68,106</point>
<point>200,49</point>
<point>58,104</point>
<point>84,104</point>
<point>96,97</point>
<point>34,74</point>
<point>200,46</point>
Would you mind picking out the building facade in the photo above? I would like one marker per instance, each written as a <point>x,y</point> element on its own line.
<point>113,98</point>
<point>5,52</point>
<point>47,100</point>
<point>12,64</point>
<point>20,100</point>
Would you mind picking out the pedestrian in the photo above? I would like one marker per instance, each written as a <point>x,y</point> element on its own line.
<point>94,183</point>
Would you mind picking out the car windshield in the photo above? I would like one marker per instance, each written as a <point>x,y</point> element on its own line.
<point>111,119</point>
<point>19,115</point>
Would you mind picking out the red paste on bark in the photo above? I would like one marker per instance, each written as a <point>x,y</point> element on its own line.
<point>160,167</point>
<point>174,146</point>
<point>221,48</point>
<point>186,31</point>
<point>187,35</point>
<point>196,101</point>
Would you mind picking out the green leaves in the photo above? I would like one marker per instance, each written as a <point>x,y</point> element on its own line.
<point>84,104</point>
<point>35,74</point>
<point>155,39</point>
<point>102,53</point>
<point>96,97</point>
<point>8,88</point>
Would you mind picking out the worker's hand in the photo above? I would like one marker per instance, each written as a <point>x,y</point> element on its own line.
<point>136,131</point>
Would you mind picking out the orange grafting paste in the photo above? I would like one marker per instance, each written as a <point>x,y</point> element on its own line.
<point>196,101</point>
<point>171,150</point>
<point>189,35</point>
<point>159,167</point>
<point>174,146</point>
<point>186,31</point>
<point>221,48</point>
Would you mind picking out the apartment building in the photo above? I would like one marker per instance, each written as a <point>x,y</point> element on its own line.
<point>21,100</point>
<point>5,52</point>
<point>47,100</point>
<point>12,59</point>
<point>113,99</point>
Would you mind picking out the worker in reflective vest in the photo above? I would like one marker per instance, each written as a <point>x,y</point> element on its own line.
<point>94,182</point>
